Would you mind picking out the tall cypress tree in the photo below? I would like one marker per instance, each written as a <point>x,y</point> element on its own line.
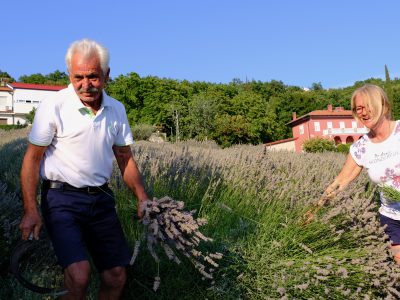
<point>389,92</point>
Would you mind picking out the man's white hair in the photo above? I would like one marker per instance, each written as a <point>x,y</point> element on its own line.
<point>88,47</point>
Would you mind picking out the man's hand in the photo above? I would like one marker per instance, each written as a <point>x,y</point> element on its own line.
<point>31,223</point>
<point>141,207</point>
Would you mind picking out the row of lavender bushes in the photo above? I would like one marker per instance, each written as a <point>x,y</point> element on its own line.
<point>254,202</point>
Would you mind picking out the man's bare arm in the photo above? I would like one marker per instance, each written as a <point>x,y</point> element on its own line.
<point>130,173</point>
<point>31,221</point>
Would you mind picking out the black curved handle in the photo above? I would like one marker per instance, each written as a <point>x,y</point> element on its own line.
<point>21,250</point>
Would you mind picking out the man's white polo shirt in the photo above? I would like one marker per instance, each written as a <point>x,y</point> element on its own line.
<point>79,143</point>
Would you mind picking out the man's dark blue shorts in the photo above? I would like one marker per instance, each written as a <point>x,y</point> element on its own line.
<point>79,222</point>
<point>392,229</point>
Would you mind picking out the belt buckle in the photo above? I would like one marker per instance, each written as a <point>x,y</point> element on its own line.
<point>55,185</point>
<point>91,190</point>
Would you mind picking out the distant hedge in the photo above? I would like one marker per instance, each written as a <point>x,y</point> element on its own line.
<point>9,127</point>
<point>343,148</point>
<point>142,132</point>
<point>318,144</point>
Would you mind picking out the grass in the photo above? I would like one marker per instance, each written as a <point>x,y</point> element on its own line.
<point>254,203</point>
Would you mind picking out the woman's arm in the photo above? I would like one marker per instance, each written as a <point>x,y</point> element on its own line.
<point>349,172</point>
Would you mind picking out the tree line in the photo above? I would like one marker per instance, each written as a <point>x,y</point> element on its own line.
<point>237,112</point>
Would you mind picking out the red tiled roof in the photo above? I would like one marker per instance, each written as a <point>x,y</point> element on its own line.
<point>323,113</point>
<point>32,86</point>
<point>281,141</point>
<point>330,113</point>
<point>5,88</point>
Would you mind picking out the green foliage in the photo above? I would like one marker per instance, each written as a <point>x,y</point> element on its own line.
<point>317,86</point>
<point>31,116</point>
<point>343,148</point>
<point>55,78</point>
<point>390,193</point>
<point>6,75</point>
<point>36,78</point>
<point>203,110</point>
<point>189,110</point>
<point>376,81</point>
<point>230,130</point>
<point>58,78</point>
<point>11,127</point>
<point>396,103</point>
<point>142,132</point>
<point>391,96</point>
<point>318,144</point>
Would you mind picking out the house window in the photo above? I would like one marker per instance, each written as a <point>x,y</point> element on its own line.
<point>3,100</point>
<point>341,124</point>
<point>329,124</point>
<point>317,126</point>
<point>301,129</point>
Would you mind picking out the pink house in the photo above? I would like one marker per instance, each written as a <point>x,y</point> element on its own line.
<point>333,123</point>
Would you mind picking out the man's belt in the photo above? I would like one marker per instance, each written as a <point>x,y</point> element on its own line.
<point>49,184</point>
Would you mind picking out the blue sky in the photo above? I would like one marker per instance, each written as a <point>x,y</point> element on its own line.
<point>335,42</point>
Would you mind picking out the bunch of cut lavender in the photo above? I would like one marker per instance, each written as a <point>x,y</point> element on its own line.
<point>176,231</point>
<point>390,193</point>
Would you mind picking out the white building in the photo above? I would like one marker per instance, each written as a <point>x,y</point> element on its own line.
<point>18,99</point>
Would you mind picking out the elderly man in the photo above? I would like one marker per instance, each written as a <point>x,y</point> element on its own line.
<point>74,138</point>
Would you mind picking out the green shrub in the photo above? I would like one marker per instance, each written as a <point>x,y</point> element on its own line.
<point>318,144</point>
<point>10,127</point>
<point>31,116</point>
<point>142,132</point>
<point>343,148</point>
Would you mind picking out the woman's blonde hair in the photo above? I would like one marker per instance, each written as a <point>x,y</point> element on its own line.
<point>375,100</point>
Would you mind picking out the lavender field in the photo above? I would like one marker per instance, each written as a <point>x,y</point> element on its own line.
<point>254,202</point>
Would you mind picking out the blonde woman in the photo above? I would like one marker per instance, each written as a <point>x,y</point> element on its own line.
<point>378,151</point>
